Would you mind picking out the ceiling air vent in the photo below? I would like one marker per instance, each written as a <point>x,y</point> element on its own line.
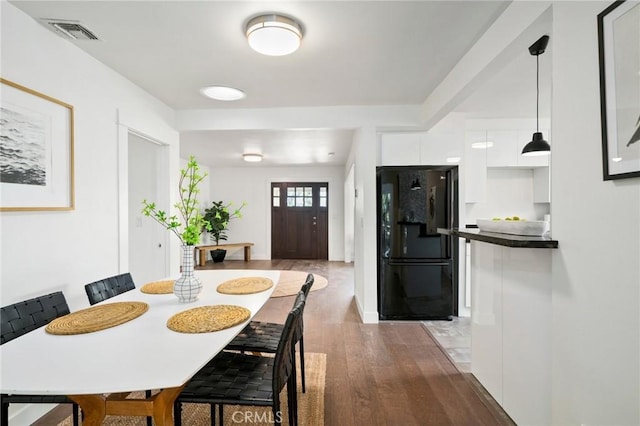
<point>73,30</point>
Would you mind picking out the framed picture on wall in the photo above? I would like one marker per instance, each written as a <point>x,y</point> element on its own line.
<point>36,150</point>
<point>619,54</point>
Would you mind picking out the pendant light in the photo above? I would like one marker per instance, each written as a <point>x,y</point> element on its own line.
<point>415,185</point>
<point>537,146</point>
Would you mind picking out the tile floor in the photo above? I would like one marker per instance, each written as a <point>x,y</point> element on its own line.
<point>455,338</point>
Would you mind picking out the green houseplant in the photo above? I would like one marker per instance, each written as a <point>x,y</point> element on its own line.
<point>217,218</point>
<point>187,227</point>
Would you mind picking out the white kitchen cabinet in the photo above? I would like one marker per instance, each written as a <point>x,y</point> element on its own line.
<point>511,328</point>
<point>436,148</point>
<point>503,152</point>
<point>475,164</point>
<point>400,149</point>
<point>523,138</point>
<point>486,316</point>
<point>541,185</point>
<point>526,335</point>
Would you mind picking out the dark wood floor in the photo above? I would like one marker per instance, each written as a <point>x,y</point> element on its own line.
<point>377,374</point>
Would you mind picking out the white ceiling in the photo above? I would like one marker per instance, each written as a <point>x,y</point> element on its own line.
<point>353,53</point>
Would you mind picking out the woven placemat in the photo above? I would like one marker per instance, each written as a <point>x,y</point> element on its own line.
<point>158,287</point>
<point>205,319</point>
<point>96,318</point>
<point>245,285</point>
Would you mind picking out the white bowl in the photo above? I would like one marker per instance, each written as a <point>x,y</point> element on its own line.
<point>534,228</point>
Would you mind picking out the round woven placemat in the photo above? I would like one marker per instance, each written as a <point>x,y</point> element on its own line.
<point>158,287</point>
<point>245,285</point>
<point>97,318</point>
<point>205,319</point>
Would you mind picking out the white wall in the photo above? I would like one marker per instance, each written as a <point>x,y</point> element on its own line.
<point>49,251</point>
<point>596,277</point>
<point>253,185</point>
<point>509,193</point>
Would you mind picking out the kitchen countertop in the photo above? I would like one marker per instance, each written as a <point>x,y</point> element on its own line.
<point>507,240</point>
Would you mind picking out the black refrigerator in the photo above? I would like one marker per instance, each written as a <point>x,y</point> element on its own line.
<point>417,266</point>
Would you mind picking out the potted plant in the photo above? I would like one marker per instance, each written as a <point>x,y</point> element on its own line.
<point>187,227</point>
<point>217,218</point>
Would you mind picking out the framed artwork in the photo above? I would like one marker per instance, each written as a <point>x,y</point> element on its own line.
<point>619,54</point>
<point>36,150</point>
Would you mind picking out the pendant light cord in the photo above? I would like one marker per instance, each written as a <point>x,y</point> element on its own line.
<point>537,89</point>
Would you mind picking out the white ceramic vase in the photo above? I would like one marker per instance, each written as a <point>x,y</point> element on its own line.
<point>187,288</point>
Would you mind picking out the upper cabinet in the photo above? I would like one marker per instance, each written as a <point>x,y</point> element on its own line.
<point>400,149</point>
<point>505,149</point>
<point>475,160</point>
<point>501,148</point>
<point>419,148</point>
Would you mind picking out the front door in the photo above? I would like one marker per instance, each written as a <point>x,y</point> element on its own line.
<point>299,220</point>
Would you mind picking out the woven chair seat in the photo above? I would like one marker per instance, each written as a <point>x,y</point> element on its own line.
<point>232,378</point>
<point>258,336</point>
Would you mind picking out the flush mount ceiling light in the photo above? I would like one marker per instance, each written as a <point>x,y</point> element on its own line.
<point>482,145</point>
<point>252,158</point>
<point>274,35</point>
<point>537,146</point>
<point>223,93</point>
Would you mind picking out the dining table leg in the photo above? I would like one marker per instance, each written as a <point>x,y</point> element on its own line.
<point>159,405</point>
<point>94,408</point>
<point>163,406</point>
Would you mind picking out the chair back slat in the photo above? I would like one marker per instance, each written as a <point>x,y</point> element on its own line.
<point>109,287</point>
<point>306,287</point>
<point>23,317</point>
<point>284,362</point>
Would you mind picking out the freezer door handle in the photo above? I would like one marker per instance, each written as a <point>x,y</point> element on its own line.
<point>415,263</point>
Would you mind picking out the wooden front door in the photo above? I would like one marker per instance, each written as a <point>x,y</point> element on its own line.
<point>299,220</point>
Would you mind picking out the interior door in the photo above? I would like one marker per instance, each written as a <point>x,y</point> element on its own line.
<point>299,220</point>
<point>147,239</point>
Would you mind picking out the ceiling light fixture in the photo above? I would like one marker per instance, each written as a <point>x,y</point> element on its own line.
<point>223,93</point>
<point>537,146</point>
<point>482,145</point>
<point>274,35</point>
<point>415,185</point>
<point>252,158</point>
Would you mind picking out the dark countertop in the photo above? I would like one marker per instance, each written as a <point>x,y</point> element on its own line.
<point>507,240</point>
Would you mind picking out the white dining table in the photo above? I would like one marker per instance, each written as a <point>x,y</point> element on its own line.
<point>138,355</point>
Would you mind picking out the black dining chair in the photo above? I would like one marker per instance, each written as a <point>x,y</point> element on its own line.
<point>109,287</point>
<point>19,319</point>
<point>234,378</point>
<point>260,336</point>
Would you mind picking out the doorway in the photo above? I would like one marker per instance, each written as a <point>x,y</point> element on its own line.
<point>147,239</point>
<point>300,220</point>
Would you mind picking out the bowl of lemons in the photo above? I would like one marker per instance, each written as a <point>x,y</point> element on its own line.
<point>514,225</point>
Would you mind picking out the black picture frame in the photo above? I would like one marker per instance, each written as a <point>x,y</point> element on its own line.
<point>619,99</point>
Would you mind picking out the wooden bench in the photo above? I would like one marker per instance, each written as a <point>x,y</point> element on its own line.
<point>204,249</point>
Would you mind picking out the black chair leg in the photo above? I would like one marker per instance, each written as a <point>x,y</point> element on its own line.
<point>75,410</point>
<point>221,414</point>
<point>177,414</point>
<point>4,418</point>
<point>302,363</point>
<point>147,394</point>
